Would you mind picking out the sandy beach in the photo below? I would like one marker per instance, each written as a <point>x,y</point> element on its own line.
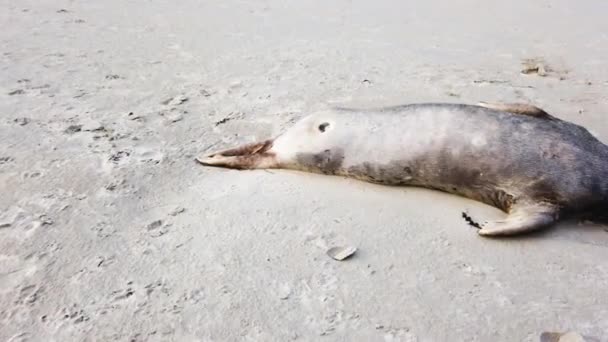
<point>110,231</point>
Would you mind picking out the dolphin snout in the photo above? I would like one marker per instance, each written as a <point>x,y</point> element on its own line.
<point>253,155</point>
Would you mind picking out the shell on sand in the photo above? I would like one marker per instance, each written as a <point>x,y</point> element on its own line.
<point>341,253</point>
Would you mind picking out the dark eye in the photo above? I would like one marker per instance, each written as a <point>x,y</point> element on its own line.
<point>323,126</point>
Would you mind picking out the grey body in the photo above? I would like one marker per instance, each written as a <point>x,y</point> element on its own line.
<point>530,164</point>
<point>477,152</point>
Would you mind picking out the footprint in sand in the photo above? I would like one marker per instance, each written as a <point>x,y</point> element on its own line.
<point>15,271</point>
<point>148,155</point>
<point>18,225</point>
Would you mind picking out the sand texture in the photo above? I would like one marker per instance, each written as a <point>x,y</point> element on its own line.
<point>109,231</point>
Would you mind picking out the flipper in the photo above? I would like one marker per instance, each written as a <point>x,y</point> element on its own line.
<point>517,108</point>
<point>523,217</point>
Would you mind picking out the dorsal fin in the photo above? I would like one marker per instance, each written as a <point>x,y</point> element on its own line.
<point>517,108</point>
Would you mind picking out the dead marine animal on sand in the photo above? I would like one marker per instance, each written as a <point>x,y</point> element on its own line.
<point>535,167</point>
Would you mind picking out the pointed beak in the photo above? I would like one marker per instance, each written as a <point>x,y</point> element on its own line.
<point>249,156</point>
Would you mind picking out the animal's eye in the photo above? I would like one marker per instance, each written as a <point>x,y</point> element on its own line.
<point>323,126</point>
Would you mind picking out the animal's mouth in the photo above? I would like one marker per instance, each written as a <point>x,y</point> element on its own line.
<point>243,157</point>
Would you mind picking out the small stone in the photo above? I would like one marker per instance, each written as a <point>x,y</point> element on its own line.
<point>284,292</point>
<point>341,253</point>
<point>154,225</point>
<point>112,77</point>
